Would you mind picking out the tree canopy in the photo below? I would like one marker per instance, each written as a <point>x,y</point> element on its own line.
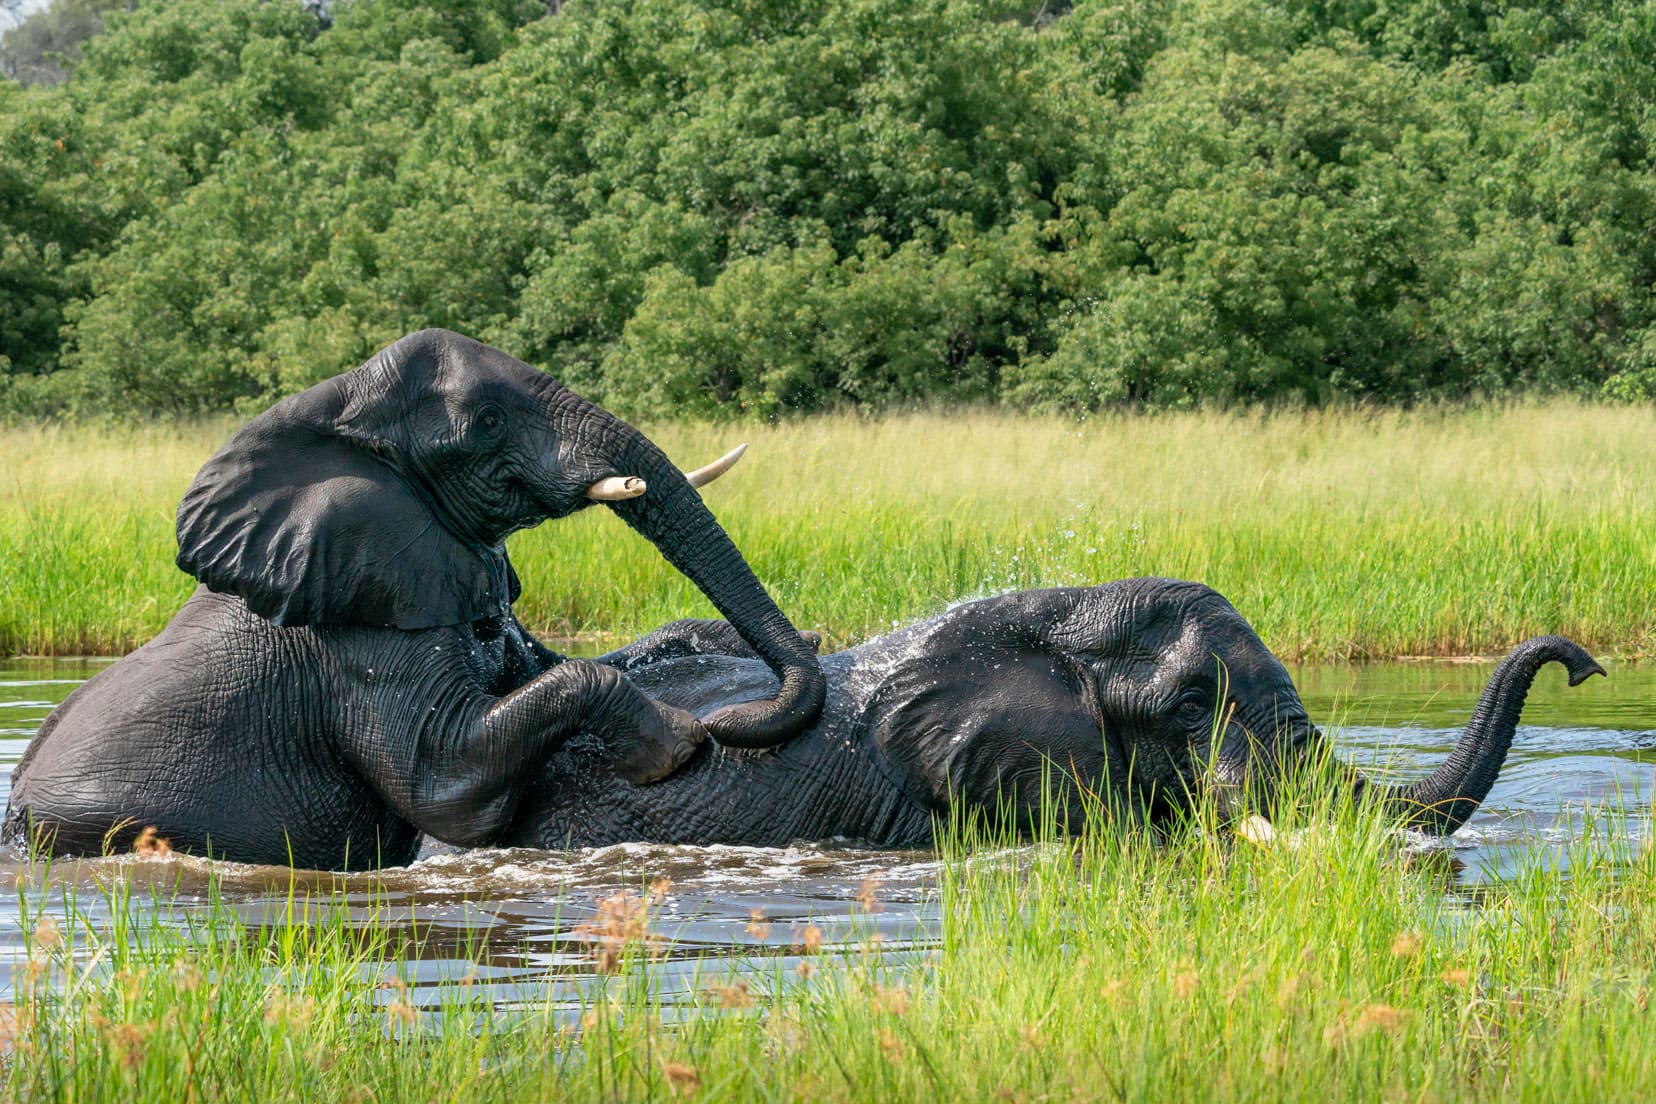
<point>717,207</point>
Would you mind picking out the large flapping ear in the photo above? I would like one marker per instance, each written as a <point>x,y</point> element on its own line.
<point>310,522</point>
<point>980,699</point>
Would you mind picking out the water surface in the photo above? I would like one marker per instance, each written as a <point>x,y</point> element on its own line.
<point>518,920</point>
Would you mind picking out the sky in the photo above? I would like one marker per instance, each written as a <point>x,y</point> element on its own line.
<point>29,7</point>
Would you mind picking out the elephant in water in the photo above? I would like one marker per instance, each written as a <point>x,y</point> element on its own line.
<point>1146,692</point>
<point>350,673</point>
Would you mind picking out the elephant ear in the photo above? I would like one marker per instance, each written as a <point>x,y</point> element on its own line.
<point>311,523</point>
<point>984,706</point>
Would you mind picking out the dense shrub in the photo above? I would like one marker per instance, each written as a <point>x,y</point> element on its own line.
<point>763,207</point>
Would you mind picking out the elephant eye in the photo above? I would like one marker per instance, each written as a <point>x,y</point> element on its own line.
<point>1194,710</point>
<point>488,421</point>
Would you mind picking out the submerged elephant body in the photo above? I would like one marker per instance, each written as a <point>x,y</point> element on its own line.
<point>1145,693</point>
<point>351,675</point>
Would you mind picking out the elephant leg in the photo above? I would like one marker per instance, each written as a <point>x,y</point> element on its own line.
<point>458,773</point>
<point>689,637</point>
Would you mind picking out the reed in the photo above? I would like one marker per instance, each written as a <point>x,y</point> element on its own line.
<point>1343,534</point>
<point>1332,965</point>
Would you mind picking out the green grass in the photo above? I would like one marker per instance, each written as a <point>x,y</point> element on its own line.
<point>1103,967</point>
<point>1100,967</point>
<point>1355,534</point>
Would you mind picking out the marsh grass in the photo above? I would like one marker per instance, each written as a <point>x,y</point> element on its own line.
<point>1339,534</point>
<point>1333,965</point>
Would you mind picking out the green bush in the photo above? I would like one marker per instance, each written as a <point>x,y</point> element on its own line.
<point>754,207</point>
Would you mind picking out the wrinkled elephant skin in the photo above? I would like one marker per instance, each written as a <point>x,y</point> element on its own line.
<point>1146,692</point>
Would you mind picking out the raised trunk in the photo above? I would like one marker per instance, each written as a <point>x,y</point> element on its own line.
<point>1446,799</point>
<point>672,516</point>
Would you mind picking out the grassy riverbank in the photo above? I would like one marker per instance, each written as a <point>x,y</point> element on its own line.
<point>1337,534</point>
<point>1097,968</point>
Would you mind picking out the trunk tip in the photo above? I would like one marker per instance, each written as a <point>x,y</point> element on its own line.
<point>1581,676</point>
<point>1580,665</point>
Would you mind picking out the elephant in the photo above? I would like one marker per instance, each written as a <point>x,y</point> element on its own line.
<point>349,674</point>
<point>1145,694</point>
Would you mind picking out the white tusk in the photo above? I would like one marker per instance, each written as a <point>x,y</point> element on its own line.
<point>617,488</point>
<point>701,477</point>
<point>1256,830</point>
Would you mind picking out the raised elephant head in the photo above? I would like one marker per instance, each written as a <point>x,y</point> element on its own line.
<point>1145,693</point>
<point>382,497</point>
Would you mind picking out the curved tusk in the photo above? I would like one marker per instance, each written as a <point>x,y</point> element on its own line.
<point>617,488</point>
<point>703,476</point>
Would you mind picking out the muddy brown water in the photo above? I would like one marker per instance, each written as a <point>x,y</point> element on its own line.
<point>515,919</point>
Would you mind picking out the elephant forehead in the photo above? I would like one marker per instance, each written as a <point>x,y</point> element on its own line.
<point>441,364</point>
<point>1169,635</point>
<point>1199,643</point>
<point>477,372</point>
<point>1172,625</point>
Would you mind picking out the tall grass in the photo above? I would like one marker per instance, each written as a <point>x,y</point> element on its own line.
<point>1344,534</point>
<point>1330,966</point>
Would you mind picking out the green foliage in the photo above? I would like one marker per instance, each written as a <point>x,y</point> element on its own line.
<point>737,206</point>
<point>801,329</point>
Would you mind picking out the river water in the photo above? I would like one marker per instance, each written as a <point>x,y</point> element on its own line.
<point>517,920</point>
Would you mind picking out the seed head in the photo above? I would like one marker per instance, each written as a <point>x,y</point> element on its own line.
<point>734,995</point>
<point>150,845</point>
<point>1293,986</point>
<point>15,1024</point>
<point>1381,1017</point>
<point>47,934</point>
<point>892,1000</point>
<point>1407,944</point>
<point>1372,1017</point>
<point>294,1012</point>
<point>128,1040</point>
<point>682,1078</point>
<point>868,895</point>
<point>623,919</point>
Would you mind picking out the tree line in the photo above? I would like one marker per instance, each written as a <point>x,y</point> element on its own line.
<point>719,207</point>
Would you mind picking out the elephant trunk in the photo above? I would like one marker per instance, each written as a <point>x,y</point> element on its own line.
<point>671,515</point>
<point>1446,799</point>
